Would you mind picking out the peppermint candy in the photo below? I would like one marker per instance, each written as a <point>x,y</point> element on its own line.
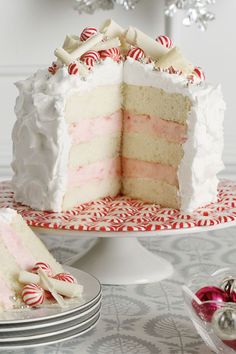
<point>199,73</point>
<point>87,33</point>
<point>136,53</point>
<point>53,68</point>
<point>65,277</point>
<point>33,295</point>
<point>90,57</point>
<point>73,69</point>
<point>164,40</point>
<point>113,53</point>
<point>44,266</point>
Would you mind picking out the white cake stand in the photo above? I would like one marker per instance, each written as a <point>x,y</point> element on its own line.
<point>118,257</point>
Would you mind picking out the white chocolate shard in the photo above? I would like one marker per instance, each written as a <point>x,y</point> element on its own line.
<point>111,29</point>
<point>71,43</point>
<point>47,282</point>
<point>87,45</point>
<point>110,43</point>
<point>63,56</point>
<point>62,288</point>
<point>176,59</point>
<point>150,47</point>
<point>67,58</point>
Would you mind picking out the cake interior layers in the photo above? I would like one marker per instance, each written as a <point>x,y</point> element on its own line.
<point>19,249</point>
<point>154,131</point>
<point>95,126</point>
<point>136,133</point>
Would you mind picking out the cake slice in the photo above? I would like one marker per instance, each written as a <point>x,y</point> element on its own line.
<point>20,251</point>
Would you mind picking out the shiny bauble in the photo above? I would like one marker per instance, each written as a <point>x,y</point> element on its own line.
<point>211,297</point>
<point>228,284</point>
<point>224,326</point>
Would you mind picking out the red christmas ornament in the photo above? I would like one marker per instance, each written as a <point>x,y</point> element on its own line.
<point>209,295</point>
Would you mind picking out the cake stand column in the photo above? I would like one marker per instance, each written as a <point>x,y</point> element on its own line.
<point>123,261</point>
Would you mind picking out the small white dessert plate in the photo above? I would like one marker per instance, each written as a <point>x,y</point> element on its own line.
<point>91,294</point>
<point>44,333</point>
<point>50,325</point>
<point>52,339</point>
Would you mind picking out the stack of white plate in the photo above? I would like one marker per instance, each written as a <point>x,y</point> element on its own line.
<point>48,325</point>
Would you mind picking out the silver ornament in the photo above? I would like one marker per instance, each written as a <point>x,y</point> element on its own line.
<point>195,11</point>
<point>228,284</point>
<point>90,6</point>
<point>224,323</point>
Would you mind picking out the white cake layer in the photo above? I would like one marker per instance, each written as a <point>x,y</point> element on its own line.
<point>151,190</point>
<point>154,149</point>
<point>101,101</point>
<point>91,191</point>
<point>98,149</point>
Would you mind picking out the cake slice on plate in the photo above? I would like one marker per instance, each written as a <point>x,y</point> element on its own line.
<point>26,266</point>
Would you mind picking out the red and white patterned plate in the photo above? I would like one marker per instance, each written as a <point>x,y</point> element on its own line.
<point>122,214</point>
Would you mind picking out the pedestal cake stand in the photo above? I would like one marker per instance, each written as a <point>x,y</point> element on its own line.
<point>118,257</point>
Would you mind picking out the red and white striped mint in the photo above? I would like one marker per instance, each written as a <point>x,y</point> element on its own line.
<point>87,33</point>
<point>199,73</point>
<point>90,58</point>
<point>90,54</point>
<point>44,266</point>
<point>33,295</point>
<point>65,277</point>
<point>136,53</point>
<point>73,68</point>
<point>113,53</point>
<point>53,68</point>
<point>164,40</point>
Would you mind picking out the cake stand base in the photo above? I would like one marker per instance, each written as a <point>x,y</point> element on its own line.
<point>122,261</point>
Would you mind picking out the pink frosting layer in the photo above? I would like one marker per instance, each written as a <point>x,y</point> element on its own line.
<point>144,169</point>
<point>5,295</point>
<point>15,247</point>
<point>95,171</point>
<point>142,123</point>
<point>88,129</point>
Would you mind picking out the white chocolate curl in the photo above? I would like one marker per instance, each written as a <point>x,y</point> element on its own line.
<point>67,58</point>
<point>150,47</point>
<point>71,43</point>
<point>111,29</point>
<point>46,282</point>
<point>110,43</point>
<point>87,45</point>
<point>176,59</point>
<point>61,287</point>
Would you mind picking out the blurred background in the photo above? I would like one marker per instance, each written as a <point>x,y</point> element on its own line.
<point>32,29</point>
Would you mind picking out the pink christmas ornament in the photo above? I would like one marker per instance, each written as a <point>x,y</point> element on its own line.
<point>136,53</point>
<point>113,53</point>
<point>207,308</point>
<point>44,266</point>
<point>33,295</point>
<point>164,40</point>
<point>65,277</point>
<point>73,69</point>
<point>87,33</point>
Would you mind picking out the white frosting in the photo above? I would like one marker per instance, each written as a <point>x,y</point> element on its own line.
<point>42,143</point>
<point>6,215</point>
<point>203,149</point>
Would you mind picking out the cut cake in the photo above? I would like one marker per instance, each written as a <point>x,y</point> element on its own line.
<point>117,113</point>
